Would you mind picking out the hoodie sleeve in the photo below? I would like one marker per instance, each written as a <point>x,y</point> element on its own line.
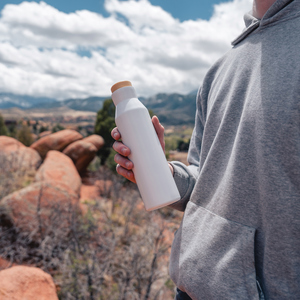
<point>186,176</point>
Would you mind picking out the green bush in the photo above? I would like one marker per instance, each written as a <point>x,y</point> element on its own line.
<point>57,128</point>
<point>24,135</point>
<point>3,128</point>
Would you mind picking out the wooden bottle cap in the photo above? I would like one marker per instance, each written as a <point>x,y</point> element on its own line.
<point>119,85</point>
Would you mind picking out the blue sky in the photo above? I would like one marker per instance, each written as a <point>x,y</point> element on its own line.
<point>181,9</point>
<point>75,49</point>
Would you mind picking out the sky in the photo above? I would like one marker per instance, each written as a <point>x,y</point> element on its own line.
<point>179,9</point>
<point>76,49</point>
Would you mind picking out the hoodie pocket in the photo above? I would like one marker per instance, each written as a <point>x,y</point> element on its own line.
<point>213,258</point>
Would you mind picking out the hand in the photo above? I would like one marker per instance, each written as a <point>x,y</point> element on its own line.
<point>124,165</point>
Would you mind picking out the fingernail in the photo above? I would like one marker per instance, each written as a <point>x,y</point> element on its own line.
<point>123,151</point>
<point>127,165</point>
<point>115,135</point>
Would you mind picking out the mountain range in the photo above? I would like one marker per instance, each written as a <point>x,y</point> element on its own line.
<point>172,109</point>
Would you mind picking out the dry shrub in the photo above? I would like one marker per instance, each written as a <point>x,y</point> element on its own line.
<point>117,251</point>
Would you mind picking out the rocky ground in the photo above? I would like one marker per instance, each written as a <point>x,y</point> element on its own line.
<point>43,188</point>
<point>56,161</point>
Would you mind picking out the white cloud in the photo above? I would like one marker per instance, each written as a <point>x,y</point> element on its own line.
<point>40,48</point>
<point>141,14</point>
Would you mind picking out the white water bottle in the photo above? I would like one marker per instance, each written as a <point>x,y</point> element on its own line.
<point>151,170</point>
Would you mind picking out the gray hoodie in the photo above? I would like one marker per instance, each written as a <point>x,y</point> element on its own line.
<point>240,234</point>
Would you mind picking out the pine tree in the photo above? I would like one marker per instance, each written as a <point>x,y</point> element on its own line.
<point>104,124</point>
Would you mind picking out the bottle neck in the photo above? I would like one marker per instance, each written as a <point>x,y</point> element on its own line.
<point>122,94</point>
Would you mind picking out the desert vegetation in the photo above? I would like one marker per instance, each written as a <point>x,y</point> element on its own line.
<point>102,245</point>
<point>108,248</point>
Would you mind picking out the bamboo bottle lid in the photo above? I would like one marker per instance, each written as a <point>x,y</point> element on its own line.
<point>119,85</point>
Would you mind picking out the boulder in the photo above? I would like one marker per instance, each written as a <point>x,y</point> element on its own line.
<point>60,168</point>
<point>81,153</point>
<point>56,141</point>
<point>96,140</point>
<point>44,133</point>
<point>4,264</point>
<point>41,208</point>
<point>26,283</point>
<point>14,156</point>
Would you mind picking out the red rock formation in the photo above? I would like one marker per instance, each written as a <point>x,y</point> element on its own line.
<point>24,283</point>
<point>41,207</point>
<point>56,141</point>
<point>82,153</point>
<point>15,156</point>
<point>4,264</point>
<point>96,140</point>
<point>45,133</point>
<point>60,168</point>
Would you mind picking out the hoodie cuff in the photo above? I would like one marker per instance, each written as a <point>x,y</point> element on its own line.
<point>185,182</point>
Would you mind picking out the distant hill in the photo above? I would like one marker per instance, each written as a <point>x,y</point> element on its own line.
<point>172,109</point>
<point>8,100</point>
<point>27,102</point>
<point>88,104</point>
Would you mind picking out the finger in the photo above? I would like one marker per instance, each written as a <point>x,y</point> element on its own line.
<point>115,133</point>
<point>123,162</point>
<point>121,148</point>
<point>159,131</point>
<point>125,173</point>
<point>171,169</point>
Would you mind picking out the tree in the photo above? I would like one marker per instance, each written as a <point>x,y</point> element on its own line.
<point>104,124</point>
<point>57,128</point>
<point>183,146</point>
<point>43,128</point>
<point>12,129</point>
<point>3,129</point>
<point>24,135</point>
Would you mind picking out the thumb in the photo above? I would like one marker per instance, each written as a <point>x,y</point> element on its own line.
<point>159,131</point>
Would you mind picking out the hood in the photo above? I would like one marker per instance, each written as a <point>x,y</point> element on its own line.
<point>281,10</point>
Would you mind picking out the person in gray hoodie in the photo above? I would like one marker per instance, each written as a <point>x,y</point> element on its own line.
<point>240,234</point>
